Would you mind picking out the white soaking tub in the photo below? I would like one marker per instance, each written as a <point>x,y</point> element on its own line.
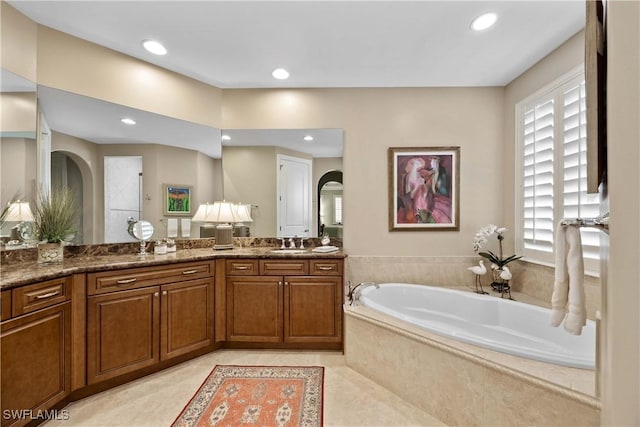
<point>487,321</point>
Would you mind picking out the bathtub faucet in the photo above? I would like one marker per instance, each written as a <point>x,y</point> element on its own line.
<point>353,296</point>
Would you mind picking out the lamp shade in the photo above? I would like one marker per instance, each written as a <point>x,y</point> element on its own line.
<point>244,213</point>
<point>18,212</point>
<point>204,213</point>
<point>223,212</point>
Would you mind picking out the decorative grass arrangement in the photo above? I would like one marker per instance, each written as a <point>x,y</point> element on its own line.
<point>54,216</point>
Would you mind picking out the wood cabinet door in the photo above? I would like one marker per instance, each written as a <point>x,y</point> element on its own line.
<point>313,309</point>
<point>36,361</point>
<point>186,317</point>
<point>123,331</point>
<point>254,309</point>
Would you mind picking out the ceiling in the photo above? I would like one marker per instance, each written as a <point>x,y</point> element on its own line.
<point>237,44</point>
<point>99,122</point>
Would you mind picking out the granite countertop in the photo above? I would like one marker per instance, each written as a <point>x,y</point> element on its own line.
<point>23,273</point>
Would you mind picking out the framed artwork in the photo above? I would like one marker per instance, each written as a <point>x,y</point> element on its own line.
<point>177,199</point>
<point>424,188</point>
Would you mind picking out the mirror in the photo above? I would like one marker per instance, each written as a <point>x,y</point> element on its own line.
<point>142,231</point>
<point>85,131</point>
<point>257,164</point>
<point>18,148</point>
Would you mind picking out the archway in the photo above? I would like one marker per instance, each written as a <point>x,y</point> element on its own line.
<point>325,180</point>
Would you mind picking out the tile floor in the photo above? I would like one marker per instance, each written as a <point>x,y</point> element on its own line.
<point>350,399</point>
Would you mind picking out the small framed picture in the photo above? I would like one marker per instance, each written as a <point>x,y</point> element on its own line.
<point>177,199</point>
<point>424,185</point>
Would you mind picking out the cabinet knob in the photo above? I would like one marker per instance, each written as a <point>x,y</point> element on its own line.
<point>279,283</point>
<point>156,294</point>
<point>286,283</point>
<point>164,292</point>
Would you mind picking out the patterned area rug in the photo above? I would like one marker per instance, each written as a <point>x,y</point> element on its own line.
<point>257,395</point>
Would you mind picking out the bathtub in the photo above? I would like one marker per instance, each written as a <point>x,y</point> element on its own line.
<point>498,324</point>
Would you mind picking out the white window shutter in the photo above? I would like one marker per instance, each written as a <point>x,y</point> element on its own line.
<point>577,203</point>
<point>538,186</point>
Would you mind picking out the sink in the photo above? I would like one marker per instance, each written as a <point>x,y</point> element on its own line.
<point>288,251</point>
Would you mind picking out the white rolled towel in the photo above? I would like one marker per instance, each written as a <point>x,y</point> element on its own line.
<point>568,289</point>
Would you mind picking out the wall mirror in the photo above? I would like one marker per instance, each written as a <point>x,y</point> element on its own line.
<point>277,172</point>
<point>85,132</point>
<point>18,149</point>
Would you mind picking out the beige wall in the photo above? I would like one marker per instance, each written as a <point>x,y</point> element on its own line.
<point>621,355</point>
<point>373,120</point>
<point>18,42</point>
<point>250,177</point>
<point>18,173</point>
<point>75,65</point>
<point>18,112</point>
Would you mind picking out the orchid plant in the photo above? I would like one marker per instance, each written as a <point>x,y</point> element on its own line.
<point>481,239</point>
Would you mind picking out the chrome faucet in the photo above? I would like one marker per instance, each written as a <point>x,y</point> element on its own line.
<point>353,296</point>
<point>292,243</point>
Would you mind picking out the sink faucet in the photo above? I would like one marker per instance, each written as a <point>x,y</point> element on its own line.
<point>292,244</point>
<point>353,296</point>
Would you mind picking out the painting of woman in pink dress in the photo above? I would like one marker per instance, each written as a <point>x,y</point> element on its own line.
<point>423,188</point>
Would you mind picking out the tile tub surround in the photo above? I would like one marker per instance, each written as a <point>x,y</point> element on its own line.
<point>537,281</point>
<point>462,384</point>
<point>530,279</point>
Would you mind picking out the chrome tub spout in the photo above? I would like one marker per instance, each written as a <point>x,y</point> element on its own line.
<point>353,294</point>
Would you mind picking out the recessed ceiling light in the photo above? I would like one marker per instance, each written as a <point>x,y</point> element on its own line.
<point>154,47</point>
<point>308,138</point>
<point>484,21</point>
<point>280,74</point>
<point>128,121</point>
<point>226,137</point>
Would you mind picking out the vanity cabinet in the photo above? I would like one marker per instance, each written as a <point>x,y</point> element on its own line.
<point>35,344</point>
<point>295,303</point>
<point>139,317</point>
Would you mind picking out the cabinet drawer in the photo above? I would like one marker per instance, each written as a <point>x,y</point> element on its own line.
<point>5,298</point>
<point>289,267</point>
<point>329,267</point>
<point>40,295</point>
<point>242,267</point>
<point>132,278</point>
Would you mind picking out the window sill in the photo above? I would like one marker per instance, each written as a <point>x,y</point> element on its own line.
<point>590,273</point>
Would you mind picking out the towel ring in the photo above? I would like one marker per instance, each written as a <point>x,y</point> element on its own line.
<point>601,222</point>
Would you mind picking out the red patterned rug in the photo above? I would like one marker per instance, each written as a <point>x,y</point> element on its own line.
<point>257,395</point>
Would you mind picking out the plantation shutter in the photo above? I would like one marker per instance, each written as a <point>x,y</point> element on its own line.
<point>538,176</point>
<point>577,203</point>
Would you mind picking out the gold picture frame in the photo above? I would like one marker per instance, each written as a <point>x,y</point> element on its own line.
<point>424,188</point>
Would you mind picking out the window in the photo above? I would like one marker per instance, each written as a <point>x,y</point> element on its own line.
<point>337,209</point>
<point>551,137</point>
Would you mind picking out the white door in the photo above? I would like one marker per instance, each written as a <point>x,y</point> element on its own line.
<point>294,196</point>
<point>122,196</point>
